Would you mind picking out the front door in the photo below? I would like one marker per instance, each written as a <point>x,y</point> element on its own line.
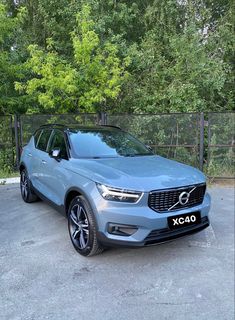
<point>55,178</point>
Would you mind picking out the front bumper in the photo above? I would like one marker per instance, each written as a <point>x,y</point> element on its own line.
<point>155,236</point>
<point>152,226</point>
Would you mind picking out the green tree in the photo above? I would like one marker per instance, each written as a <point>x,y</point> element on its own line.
<point>85,82</point>
<point>11,67</point>
<point>181,64</point>
<point>180,55</point>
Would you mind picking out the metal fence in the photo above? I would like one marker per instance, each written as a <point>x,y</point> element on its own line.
<point>220,146</point>
<point>177,136</point>
<point>29,123</point>
<point>7,142</point>
<point>204,140</point>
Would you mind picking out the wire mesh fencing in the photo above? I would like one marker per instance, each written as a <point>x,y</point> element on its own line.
<point>7,143</point>
<point>221,145</point>
<point>175,136</point>
<point>30,122</point>
<point>204,140</point>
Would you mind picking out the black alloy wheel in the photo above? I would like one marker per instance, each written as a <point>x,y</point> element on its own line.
<point>82,229</point>
<point>79,226</point>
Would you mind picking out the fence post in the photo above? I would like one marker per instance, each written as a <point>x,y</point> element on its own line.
<point>12,141</point>
<point>201,145</point>
<point>103,118</point>
<point>17,146</point>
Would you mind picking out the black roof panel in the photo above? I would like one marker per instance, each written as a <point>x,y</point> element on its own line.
<point>76,126</point>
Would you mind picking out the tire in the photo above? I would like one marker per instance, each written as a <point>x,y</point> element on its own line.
<point>26,188</point>
<point>82,227</point>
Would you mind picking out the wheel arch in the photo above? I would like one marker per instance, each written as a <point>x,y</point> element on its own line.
<point>69,196</point>
<point>22,166</point>
<point>73,192</point>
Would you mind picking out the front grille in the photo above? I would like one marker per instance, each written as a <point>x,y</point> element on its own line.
<point>164,200</point>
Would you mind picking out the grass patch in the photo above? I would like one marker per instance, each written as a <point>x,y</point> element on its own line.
<point>8,174</point>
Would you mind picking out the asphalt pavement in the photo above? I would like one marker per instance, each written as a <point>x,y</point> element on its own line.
<point>42,276</point>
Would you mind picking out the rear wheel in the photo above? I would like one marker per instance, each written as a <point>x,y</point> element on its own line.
<point>82,228</point>
<point>26,189</point>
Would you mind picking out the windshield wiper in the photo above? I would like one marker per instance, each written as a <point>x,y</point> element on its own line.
<point>129,155</point>
<point>137,154</point>
<point>103,157</point>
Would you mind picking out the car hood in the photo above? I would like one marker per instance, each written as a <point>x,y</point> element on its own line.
<point>142,173</point>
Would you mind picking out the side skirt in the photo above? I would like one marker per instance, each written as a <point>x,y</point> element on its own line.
<point>60,209</point>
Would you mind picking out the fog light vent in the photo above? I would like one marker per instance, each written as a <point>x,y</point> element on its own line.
<point>121,229</point>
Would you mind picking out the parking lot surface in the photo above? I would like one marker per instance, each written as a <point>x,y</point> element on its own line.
<point>42,276</point>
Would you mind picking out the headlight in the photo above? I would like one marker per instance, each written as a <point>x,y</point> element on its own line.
<point>121,195</point>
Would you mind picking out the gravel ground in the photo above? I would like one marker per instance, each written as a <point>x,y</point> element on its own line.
<point>42,277</point>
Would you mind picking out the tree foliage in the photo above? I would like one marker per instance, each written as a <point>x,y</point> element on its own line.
<point>10,61</point>
<point>93,74</point>
<point>62,56</point>
<point>180,66</point>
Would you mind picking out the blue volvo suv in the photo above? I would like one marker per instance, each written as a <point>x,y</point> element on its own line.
<point>112,188</point>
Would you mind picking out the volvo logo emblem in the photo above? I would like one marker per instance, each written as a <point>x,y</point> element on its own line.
<point>184,198</point>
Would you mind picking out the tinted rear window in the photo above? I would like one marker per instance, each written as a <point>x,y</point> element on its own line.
<point>43,140</point>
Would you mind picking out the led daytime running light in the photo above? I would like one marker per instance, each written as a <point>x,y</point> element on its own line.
<point>117,193</point>
<point>121,195</point>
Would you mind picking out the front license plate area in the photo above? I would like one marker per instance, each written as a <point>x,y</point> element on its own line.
<point>184,220</point>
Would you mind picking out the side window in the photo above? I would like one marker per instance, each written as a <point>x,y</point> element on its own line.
<point>36,136</point>
<point>43,140</point>
<point>58,142</point>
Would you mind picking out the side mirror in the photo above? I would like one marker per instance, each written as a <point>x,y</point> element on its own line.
<point>55,154</point>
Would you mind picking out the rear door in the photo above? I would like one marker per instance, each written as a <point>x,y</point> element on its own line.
<point>30,156</point>
<point>39,161</point>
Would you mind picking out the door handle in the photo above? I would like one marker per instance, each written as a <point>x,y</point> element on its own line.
<point>30,154</point>
<point>44,162</point>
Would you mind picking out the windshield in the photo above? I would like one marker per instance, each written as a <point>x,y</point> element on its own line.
<point>106,142</point>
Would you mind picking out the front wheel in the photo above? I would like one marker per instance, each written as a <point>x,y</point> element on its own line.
<point>82,229</point>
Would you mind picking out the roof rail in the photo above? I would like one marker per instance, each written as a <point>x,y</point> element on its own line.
<point>107,125</point>
<point>48,125</point>
<point>53,124</point>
